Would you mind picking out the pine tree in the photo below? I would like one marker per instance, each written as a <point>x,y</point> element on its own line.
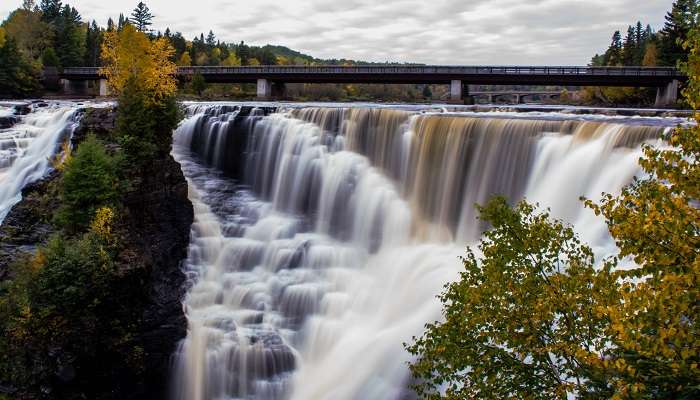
<point>211,40</point>
<point>70,37</point>
<point>679,21</point>
<point>629,52</point>
<point>613,56</point>
<point>141,17</point>
<point>110,25</point>
<point>122,21</point>
<point>50,10</point>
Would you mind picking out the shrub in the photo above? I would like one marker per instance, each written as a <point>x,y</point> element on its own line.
<point>89,182</point>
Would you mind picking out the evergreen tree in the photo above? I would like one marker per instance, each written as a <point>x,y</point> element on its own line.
<point>50,10</point>
<point>629,52</point>
<point>70,37</point>
<point>211,40</point>
<point>110,25</point>
<point>18,78</point>
<point>141,17</point>
<point>122,21</point>
<point>93,41</point>
<point>679,21</point>
<point>614,54</point>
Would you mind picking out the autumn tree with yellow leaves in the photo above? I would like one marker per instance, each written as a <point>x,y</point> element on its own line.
<point>535,318</point>
<point>139,70</point>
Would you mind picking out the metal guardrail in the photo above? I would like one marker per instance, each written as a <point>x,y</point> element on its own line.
<point>429,69</point>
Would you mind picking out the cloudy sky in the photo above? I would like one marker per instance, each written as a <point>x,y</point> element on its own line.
<point>565,32</point>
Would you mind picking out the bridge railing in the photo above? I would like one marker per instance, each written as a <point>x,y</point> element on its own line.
<point>429,69</point>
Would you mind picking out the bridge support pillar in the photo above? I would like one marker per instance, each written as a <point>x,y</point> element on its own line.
<point>104,88</point>
<point>459,93</point>
<point>667,95</point>
<point>78,87</point>
<point>518,99</point>
<point>456,91</point>
<point>264,89</point>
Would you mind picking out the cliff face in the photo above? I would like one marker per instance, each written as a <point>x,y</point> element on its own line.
<point>157,216</point>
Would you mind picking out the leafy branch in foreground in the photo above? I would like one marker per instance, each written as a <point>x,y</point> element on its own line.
<point>524,320</point>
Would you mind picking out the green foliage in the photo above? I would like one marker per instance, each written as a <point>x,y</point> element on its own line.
<point>50,59</point>
<point>199,84</point>
<point>89,182</point>
<point>144,128</point>
<point>523,320</point>
<point>141,17</point>
<point>18,78</point>
<point>65,322</point>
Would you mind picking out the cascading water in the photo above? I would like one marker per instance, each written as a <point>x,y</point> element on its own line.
<point>323,235</point>
<point>27,147</point>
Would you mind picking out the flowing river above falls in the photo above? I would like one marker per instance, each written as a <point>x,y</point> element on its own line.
<point>323,234</point>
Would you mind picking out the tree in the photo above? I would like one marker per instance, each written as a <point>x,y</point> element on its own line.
<point>231,61</point>
<point>141,17</point>
<point>522,321</point>
<point>211,40</point>
<point>89,182</point>
<point>2,36</point>
<point>650,55</point>
<point>50,9</point>
<point>614,54</point>
<point>679,21</point>
<point>199,84</point>
<point>141,73</point>
<point>18,77</point>
<point>656,222</point>
<point>629,52</point>
<point>50,59</point>
<point>130,54</point>
<point>31,34</point>
<point>70,37</point>
<point>185,60</point>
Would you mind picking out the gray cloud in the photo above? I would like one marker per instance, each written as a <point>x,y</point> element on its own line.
<point>565,32</point>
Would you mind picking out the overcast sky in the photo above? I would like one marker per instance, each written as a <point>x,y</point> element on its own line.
<point>565,32</point>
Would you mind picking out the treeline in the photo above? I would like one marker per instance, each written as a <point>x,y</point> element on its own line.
<point>642,46</point>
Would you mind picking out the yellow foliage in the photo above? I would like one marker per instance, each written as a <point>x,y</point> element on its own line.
<point>2,36</point>
<point>102,223</point>
<point>131,54</point>
<point>253,61</point>
<point>59,161</point>
<point>231,61</point>
<point>185,60</point>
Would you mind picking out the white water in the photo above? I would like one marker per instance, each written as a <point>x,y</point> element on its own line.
<point>27,147</point>
<point>307,279</point>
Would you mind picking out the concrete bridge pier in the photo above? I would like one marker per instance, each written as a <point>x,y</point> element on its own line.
<point>104,88</point>
<point>459,92</point>
<point>264,89</point>
<point>667,95</point>
<point>75,87</point>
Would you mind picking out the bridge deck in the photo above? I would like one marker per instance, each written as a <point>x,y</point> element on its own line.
<point>503,75</point>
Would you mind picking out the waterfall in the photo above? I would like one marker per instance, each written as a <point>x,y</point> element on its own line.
<point>27,147</point>
<point>323,235</point>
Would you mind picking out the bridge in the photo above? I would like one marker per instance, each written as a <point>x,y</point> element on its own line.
<point>666,80</point>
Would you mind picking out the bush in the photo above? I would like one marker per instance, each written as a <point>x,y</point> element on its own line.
<point>89,182</point>
<point>66,323</point>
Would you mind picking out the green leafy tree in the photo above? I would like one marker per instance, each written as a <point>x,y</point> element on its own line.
<point>523,320</point>
<point>89,182</point>
<point>18,77</point>
<point>70,37</point>
<point>141,17</point>
<point>199,84</point>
